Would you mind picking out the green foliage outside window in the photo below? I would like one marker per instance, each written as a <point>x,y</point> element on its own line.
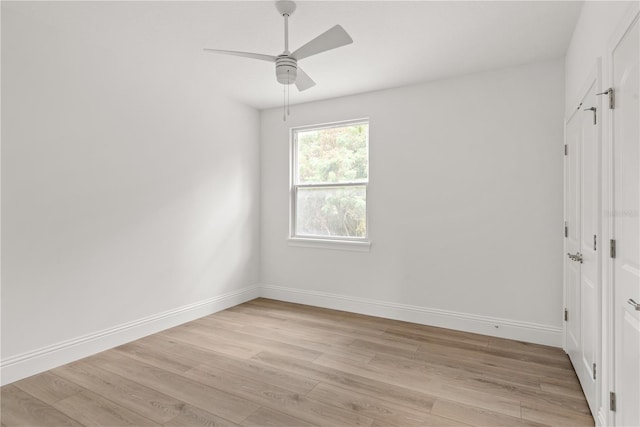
<point>332,156</point>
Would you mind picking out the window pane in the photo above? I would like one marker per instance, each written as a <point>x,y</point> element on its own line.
<point>333,211</point>
<point>333,155</point>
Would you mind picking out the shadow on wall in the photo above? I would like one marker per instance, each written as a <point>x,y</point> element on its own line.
<point>106,266</point>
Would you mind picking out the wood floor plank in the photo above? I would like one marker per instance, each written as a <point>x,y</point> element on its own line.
<point>265,417</point>
<point>449,367</point>
<point>308,325</point>
<point>269,363</point>
<point>386,347</point>
<point>218,402</point>
<point>572,390</point>
<point>19,408</point>
<point>514,362</point>
<point>476,416</point>
<point>321,342</point>
<point>273,397</point>
<point>125,392</point>
<point>193,356</point>
<point>254,341</point>
<point>421,333</point>
<point>526,348</point>
<point>299,317</point>
<point>404,380</point>
<point>48,387</point>
<point>455,393</point>
<point>526,395</point>
<point>148,350</point>
<point>190,416</point>
<point>375,407</point>
<point>436,386</point>
<point>322,332</point>
<point>544,413</point>
<point>443,423</point>
<point>234,348</point>
<point>400,395</point>
<point>251,318</point>
<point>92,409</point>
<point>448,371</point>
<point>247,368</point>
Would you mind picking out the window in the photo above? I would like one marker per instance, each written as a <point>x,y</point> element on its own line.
<point>330,174</point>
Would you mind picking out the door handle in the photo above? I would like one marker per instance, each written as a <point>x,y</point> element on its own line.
<point>575,257</point>
<point>634,304</point>
<point>594,113</point>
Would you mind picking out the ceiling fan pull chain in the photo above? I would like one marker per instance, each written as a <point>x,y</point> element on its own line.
<point>284,104</point>
<point>288,94</point>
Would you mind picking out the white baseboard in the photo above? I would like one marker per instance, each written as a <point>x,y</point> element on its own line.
<point>497,327</point>
<point>26,364</point>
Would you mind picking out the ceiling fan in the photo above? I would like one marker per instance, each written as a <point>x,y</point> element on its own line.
<point>287,70</point>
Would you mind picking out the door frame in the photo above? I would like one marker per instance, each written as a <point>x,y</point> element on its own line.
<point>605,416</point>
<point>594,78</point>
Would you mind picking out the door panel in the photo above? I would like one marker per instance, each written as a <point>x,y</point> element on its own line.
<point>626,225</point>
<point>582,212</point>
<point>590,220</point>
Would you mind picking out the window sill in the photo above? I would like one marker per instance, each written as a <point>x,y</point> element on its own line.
<point>340,245</point>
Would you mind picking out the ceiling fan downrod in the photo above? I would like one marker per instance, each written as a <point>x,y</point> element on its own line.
<point>286,65</point>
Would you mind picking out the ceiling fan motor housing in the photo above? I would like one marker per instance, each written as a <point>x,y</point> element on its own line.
<point>286,69</point>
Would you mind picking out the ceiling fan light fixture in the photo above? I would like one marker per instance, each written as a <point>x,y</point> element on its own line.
<point>286,69</point>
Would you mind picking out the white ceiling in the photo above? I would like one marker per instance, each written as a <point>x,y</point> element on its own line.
<point>396,43</point>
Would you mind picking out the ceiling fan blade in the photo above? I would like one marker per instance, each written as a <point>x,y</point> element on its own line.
<point>303,81</point>
<point>243,54</point>
<point>330,39</point>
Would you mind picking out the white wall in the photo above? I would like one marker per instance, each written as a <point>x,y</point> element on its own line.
<point>465,204</point>
<point>129,192</point>
<point>593,32</point>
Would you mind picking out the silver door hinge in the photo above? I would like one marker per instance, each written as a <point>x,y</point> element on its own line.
<point>566,229</point>
<point>595,242</point>
<point>566,315</point>
<point>612,248</point>
<point>612,401</point>
<point>566,149</point>
<point>612,97</point>
<point>594,371</point>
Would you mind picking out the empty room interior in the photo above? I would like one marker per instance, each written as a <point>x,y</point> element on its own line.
<point>320,213</point>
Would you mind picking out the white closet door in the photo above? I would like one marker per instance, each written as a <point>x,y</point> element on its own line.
<point>582,202</point>
<point>626,225</point>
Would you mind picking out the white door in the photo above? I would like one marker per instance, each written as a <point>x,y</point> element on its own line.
<point>582,263</point>
<point>626,229</point>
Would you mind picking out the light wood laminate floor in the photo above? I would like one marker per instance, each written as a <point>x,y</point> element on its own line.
<point>269,363</point>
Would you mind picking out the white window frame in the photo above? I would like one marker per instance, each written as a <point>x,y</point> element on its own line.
<point>360,244</point>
